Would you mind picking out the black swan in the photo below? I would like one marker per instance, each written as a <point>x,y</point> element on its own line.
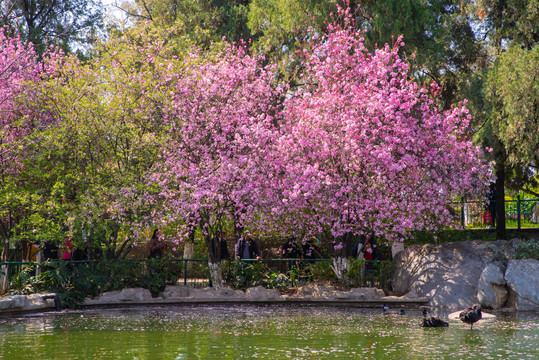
<point>432,321</point>
<point>471,315</point>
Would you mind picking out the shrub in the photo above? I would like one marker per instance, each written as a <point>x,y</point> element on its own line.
<point>242,275</point>
<point>528,250</point>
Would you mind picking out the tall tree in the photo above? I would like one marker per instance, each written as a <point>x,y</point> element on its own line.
<point>222,115</point>
<point>70,24</point>
<point>513,90</point>
<point>19,70</point>
<point>204,21</point>
<point>506,24</point>
<point>90,167</point>
<point>437,34</point>
<point>366,148</point>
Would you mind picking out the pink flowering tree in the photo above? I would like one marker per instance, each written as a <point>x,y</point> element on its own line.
<point>365,148</point>
<point>222,117</point>
<point>19,69</point>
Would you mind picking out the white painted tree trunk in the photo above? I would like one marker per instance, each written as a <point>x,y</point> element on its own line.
<point>340,267</point>
<point>38,260</point>
<point>4,278</point>
<point>216,274</point>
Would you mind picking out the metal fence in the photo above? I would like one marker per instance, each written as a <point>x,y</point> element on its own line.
<point>99,276</point>
<point>519,213</point>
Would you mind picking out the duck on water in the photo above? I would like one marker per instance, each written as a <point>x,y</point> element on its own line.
<point>471,315</point>
<point>432,321</point>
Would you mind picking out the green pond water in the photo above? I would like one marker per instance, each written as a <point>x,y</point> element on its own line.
<point>261,332</point>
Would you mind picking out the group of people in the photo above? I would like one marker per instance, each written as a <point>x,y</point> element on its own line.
<point>308,250</point>
<point>365,248</point>
<point>245,247</point>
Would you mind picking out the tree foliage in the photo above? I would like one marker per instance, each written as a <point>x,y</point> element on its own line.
<point>203,21</point>
<point>91,164</point>
<point>513,90</point>
<point>503,25</point>
<point>19,71</point>
<point>153,131</point>
<point>69,24</point>
<point>366,149</point>
<point>222,114</point>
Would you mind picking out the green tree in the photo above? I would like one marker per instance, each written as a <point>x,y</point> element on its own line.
<point>204,21</point>
<point>70,24</point>
<point>438,36</point>
<point>513,91</point>
<point>89,166</point>
<point>503,24</point>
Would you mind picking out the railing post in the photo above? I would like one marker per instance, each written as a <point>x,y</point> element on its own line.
<point>462,213</point>
<point>518,212</point>
<point>184,272</point>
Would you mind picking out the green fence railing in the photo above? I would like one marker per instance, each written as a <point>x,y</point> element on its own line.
<point>519,213</point>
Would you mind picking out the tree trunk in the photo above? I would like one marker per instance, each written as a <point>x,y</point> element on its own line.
<point>216,275</point>
<point>189,253</point>
<point>500,200</point>
<point>4,270</point>
<point>5,250</point>
<point>340,267</point>
<point>188,250</point>
<point>214,261</point>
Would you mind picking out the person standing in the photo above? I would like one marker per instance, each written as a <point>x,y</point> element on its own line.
<point>219,247</point>
<point>68,249</point>
<point>492,203</point>
<point>156,245</point>
<point>246,247</point>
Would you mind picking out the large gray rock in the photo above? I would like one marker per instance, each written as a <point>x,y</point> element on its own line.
<point>315,290</point>
<point>132,295</point>
<point>491,290</point>
<point>175,292</point>
<point>259,293</point>
<point>522,277</point>
<point>204,293</point>
<point>22,303</point>
<point>14,302</point>
<point>510,249</point>
<point>446,273</point>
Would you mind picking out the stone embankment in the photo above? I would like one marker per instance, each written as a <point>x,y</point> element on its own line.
<point>457,275</point>
<point>312,294</point>
<point>309,294</point>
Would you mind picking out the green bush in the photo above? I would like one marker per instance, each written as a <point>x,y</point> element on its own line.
<point>276,281</point>
<point>321,271</point>
<point>528,250</point>
<point>75,281</point>
<point>242,275</point>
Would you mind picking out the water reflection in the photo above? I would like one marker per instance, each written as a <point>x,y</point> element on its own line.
<point>260,332</point>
